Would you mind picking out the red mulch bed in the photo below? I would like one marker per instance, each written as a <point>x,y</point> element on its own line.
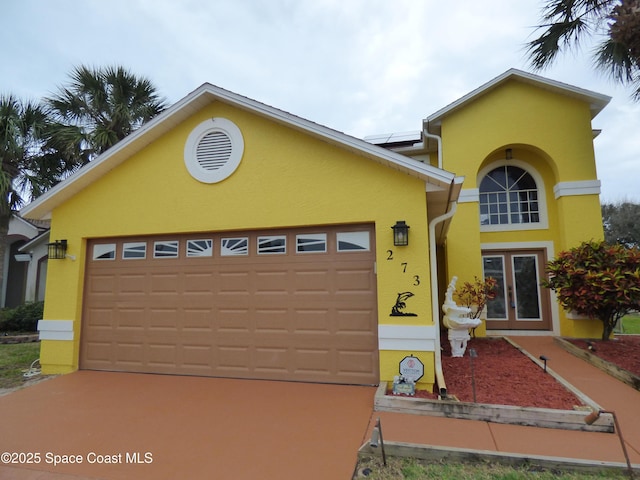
<point>503,376</point>
<point>623,351</point>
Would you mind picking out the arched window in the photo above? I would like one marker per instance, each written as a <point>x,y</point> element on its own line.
<point>509,196</point>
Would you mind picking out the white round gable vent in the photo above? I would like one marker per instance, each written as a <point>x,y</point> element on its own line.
<point>213,150</point>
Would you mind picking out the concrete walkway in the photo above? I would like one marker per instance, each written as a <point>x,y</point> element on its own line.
<point>608,392</point>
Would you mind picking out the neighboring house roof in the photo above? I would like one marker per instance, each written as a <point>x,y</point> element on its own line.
<point>596,101</point>
<point>41,224</point>
<point>25,228</point>
<point>437,179</point>
<point>35,242</point>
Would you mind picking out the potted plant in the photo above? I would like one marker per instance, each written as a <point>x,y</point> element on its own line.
<point>476,295</point>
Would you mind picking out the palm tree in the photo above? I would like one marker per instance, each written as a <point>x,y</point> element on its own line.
<point>41,145</point>
<point>97,109</point>
<point>567,22</point>
<point>24,171</point>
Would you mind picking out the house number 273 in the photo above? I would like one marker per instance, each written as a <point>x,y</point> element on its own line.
<point>416,278</point>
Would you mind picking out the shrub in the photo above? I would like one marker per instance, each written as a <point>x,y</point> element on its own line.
<point>23,318</point>
<point>476,295</point>
<point>597,280</point>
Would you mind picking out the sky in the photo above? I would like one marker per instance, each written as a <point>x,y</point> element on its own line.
<point>362,67</point>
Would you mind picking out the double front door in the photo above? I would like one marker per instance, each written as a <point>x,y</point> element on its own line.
<point>521,303</point>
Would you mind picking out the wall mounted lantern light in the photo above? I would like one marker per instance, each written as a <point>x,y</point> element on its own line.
<point>400,234</point>
<point>57,250</point>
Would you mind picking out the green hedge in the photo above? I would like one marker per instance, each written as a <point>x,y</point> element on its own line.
<point>21,319</point>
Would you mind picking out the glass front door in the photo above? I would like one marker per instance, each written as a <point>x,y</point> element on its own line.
<point>521,303</point>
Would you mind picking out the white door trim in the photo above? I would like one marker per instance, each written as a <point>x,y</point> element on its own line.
<point>555,307</point>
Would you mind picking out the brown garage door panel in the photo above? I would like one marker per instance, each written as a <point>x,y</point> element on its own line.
<point>299,316</point>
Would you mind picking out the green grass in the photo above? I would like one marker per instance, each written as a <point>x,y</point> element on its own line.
<point>631,323</point>
<point>14,359</point>
<point>412,469</point>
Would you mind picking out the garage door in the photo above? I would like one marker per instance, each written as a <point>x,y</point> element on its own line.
<point>280,305</point>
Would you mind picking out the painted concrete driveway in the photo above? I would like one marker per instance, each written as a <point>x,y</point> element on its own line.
<point>118,426</point>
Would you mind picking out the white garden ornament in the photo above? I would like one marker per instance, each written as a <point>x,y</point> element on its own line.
<point>458,320</point>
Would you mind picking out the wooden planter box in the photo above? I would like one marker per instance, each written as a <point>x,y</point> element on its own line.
<point>528,416</point>
<point>533,417</point>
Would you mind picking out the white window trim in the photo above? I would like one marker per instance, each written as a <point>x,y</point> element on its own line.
<point>226,127</point>
<point>157,254</point>
<point>311,236</point>
<point>543,224</point>
<point>269,238</point>
<point>124,250</point>
<point>209,251</point>
<point>106,250</point>
<point>348,236</point>
<point>226,252</point>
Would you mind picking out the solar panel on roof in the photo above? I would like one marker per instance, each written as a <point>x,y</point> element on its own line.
<point>397,137</point>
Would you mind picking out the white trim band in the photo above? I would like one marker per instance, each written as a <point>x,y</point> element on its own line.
<point>407,338</point>
<point>55,329</point>
<point>585,187</point>
<point>469,195</point>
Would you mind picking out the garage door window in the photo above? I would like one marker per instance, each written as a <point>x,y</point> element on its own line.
<point>231,247</point>
<point>105,251</point>
<point>165,249</point>
<point>350,241</point>
<point>199,248</point>
<point>272,245</point>
<point>315,242</point>
<point>134,250</point>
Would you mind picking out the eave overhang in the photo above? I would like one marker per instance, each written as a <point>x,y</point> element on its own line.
<point>596,101</point>
<point>43,206</point>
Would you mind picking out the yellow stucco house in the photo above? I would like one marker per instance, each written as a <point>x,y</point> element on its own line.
<point>229,238</point>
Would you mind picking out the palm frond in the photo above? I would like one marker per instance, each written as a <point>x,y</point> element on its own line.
<point>544,50</point>
<point>613,58</point>
<point>104,105</point>
<point>636,92</point>
<point>564,25</point>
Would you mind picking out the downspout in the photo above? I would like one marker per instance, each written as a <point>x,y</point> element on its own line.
<point>435,302</point>
<point>433,260</point>
<point>438,139</point>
